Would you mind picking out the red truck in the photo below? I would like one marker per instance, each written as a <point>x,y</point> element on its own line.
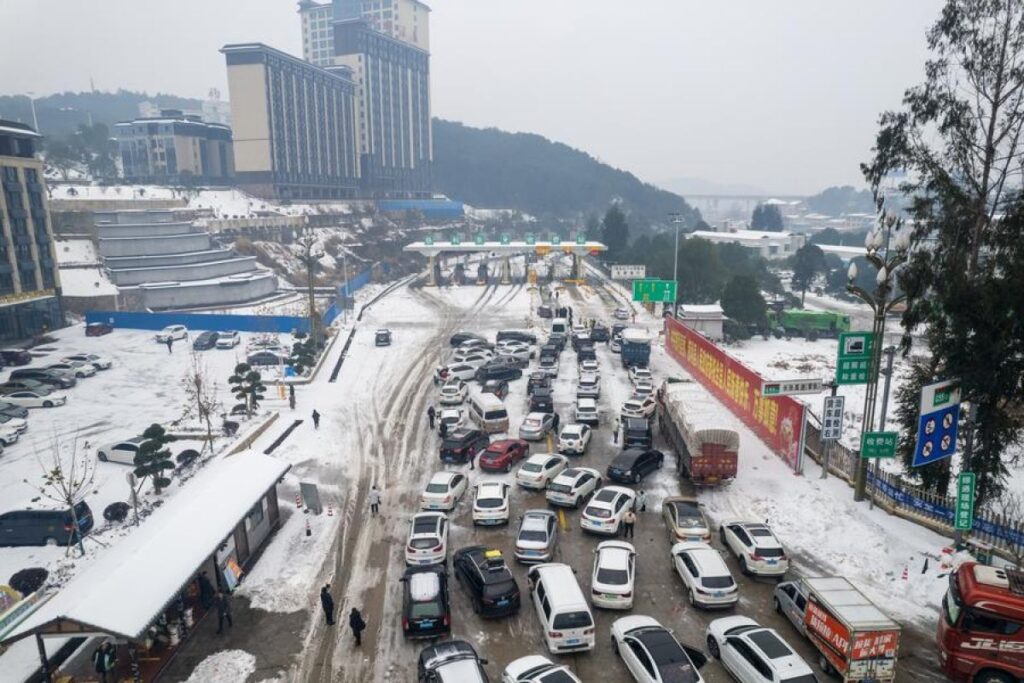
<point>981,629</point>
<point>691,422</point>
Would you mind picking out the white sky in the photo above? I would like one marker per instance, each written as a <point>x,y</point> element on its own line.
<point>782,95</point>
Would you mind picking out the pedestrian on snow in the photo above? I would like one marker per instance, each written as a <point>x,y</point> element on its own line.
<point>316,419</point>
<point>220,601</point>
<point>206,591</point>
<point>109,660</point>
<point>615,431</point>
<point>634,317</point>
<point>444,430</point>
<point>431,415</point>
<point>291,396</point>
<point>170,344</point>
<point>328,603</point>
<point>99,661</point>
<point>641,501</point>
<point>373,498</point>
<point>471,458</point>
<point>355,620</point>
<point>628,520</point>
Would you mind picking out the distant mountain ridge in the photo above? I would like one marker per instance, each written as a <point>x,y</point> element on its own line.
<point>62,113</point>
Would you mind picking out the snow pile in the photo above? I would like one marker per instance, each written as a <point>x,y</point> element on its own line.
<point>226,666</point>
<point>85,282</point>
<point>75,252</point>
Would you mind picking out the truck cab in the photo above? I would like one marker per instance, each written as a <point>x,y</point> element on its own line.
<point>981,628</point>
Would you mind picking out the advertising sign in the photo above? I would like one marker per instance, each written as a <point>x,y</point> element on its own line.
<point>629,272</point>
<point>833,634</point>
<point>873,644</point>
<point>938,423</point>
<point>777,421</point>
<point>792,387</point>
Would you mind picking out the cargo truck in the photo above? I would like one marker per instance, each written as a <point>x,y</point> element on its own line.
<point>636,347</point>
<point>707,454</point>
<point>798,323</point>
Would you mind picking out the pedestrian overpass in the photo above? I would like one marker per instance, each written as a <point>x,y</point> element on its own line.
<point>505,248</point>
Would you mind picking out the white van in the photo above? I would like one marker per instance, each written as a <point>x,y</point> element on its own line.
<point>563,611</point>
<point>489,412</point>
<point>560,326</point>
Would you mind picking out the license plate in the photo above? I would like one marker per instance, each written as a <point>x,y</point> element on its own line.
<point>502,603</point>
<point>611,596</point>
<point>718,594</point>
<point>773,561</point>
<point>572,641</point>
<point>426,624</point>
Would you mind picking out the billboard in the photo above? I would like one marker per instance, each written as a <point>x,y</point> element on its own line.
<point>629,272</point>
<point>778,421</point>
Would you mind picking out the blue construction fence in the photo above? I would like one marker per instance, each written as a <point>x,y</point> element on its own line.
<point>216,322</point>
<point>346,290</point>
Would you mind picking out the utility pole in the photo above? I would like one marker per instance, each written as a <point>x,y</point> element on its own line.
<point>310,258</point>
<point>677,220</point>
<point>889,352</point>
<point>344,264</point>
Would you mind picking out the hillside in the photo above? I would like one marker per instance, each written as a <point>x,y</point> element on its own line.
<point>494,169</point>
<point>62,113</point>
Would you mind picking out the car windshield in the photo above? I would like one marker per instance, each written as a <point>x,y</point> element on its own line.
<point>717,582</point>
<point>425,610</point>
<point>532,467</point>
<point>770,644</point>
<point>424,543</point>
<point>490,502</point>
<point>532,535</point>
<point>600,513</point>
<point>437,488</point>
<point>568,620</point>
<point>613,577</point>
<point>685,510</point>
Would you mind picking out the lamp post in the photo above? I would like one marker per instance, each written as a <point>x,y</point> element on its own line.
<point>886,260</point>
<point>677,220</point>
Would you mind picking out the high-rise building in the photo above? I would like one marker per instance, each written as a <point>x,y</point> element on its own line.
<point>294,125</point>
<point>404,20</point>
<point>29,280</point>
<point>317,34</point>
<point>175,148</point>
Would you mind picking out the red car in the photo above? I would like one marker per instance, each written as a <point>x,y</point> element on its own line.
<point>500,456</point>
<point>97,329</point>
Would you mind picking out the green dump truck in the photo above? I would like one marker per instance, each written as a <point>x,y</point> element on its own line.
<point>798,323</point>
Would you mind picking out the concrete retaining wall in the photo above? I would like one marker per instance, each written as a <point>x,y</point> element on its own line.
<point>141,246</point>
<point>123,262</point>
<point>145,229</point>
<point>185,272</point>
<point>210,294</point>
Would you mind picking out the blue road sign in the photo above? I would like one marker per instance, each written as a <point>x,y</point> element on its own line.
<point>938,423</point>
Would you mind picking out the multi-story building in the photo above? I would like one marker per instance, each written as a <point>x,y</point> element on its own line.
<point>317,34</point>
<point>29,281</point>
<point>404,20</point>
<point>294,125</point>
<point>175,148</point>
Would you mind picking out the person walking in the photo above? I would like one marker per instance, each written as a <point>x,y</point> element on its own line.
<point>99,661</point>
<point>316,419</point>
<point>291,396</point>
<point>206,591</point>
<point>170,345</point>
<point>641,501</point>
<point>628,520</point>
<point>220,601</point>
<point>109,661</point>
<point>327,602</point>
<point>373,498</point>
<point>431,415</point>
<point>444,430</point>
<point>355,621</point>
<point>615,431</point>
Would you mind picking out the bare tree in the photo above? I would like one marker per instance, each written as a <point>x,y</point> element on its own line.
<point>310,255</point>
<point>201,394</point>
<point>1010,506</point>
<point>66,476</point>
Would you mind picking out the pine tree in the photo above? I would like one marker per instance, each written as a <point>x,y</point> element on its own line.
<point>247,386</point>
<point>766,217</point>
<point>303,355</point>
<point>615,232</point>
<point>742,301</point>
<point>153,457</point>
<point>808,263</point>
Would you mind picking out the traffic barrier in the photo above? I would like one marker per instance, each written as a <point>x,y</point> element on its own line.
<point>906,572</point>
<point>330,510</point>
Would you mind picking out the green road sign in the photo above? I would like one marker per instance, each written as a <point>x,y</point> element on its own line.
<point>878,444</point>
<point>965,501</point>
<point>456,238</point>
<point>505,238</point>
<point>654,290</point>
<point>428,240</point>
<point>581,239</point>
<point>478,238</point>
<point>531,239</point>
<point>556,240</point>
<point>854,362</point>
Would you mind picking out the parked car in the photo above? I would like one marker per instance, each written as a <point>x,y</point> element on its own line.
<point>632,465</point>
<point>463,445</point>
<point>605,510</point>
<point>638,373</point>
<point>516,335</point>
<point>621,313</point>
<point>588,385</point>
<point>426,611</point>
<point>76,368</point>
<point>685,520</point>
<point>428,539</point>
<point>485,576</point>
<point>18,424</point>
<point>542,400</point>
<point>611,583</point>
<point>15,357</point>
<point>537,669</point>
<point>491,505</point>
<point>636,433</point>
<point>544,311</point>
<point>123,452</point>
<point>266,358</point>
<point>754,654</point>
<point>548,365</point>
<point>12,410</point>
<point>444,490</point>
<point>574,439</point>
<point>98,362</point>
<point>450,419</point>
<point>9,434</point>
<point>36,398</point>
<point>205,341</point>
<point>536,426</point>
<point>637,407</point>
<point>450,660</point>
<point>599,333</point>
<point>460,371</point>
<point>537,379</point>
<point>538,532</point>
<point>588,364</point>
<point>707,579</point>
<point>498,387</point>
<point>473,357</point>
<point>790,598</point>
<point>502,455</point>
<point>44,527</point>
<point>460,337</point>
<point>643,390</point>
<point>96,330</point>
<point>539,469</point>
<point>228,340</point>
<point>54,378</point>
<point>572,486</point>
<point>615,346</point>
<point>453,392</point>
<point>172,332</point>
<point>755,546</point>
<point>652,654</point>
<point>382,337</point>
<point>586,412</point>
<point>498,368</point>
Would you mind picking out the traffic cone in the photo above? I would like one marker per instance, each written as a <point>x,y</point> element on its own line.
<point>330,510</point>
<point>906,572</point>
<point>298,500</point>
<point>309,532</point>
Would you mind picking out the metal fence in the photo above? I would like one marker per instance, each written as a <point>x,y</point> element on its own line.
<point>218,322</point>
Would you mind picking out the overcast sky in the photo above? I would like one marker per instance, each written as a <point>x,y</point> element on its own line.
<point>781,95</point>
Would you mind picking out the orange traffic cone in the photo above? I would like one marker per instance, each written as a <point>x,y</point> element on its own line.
<point>906,573</point>
<point>298,500</point>
<point>309,532</point>
<point>330,510</point>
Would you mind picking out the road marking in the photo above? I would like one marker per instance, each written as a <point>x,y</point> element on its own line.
<point>562,521</point>
<point>551,444</point>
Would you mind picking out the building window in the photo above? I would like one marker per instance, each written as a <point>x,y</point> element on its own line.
<point>255,515</point>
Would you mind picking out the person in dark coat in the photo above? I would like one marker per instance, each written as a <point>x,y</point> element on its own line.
<point>316,419</point>
<point>206,591</point>
<point>444,430</point>
<point>328,603</point>
<point>220,601</point>
<point>355,620</point>
<point>109,660</point>
<point>170,345</point>
<point>431,415</point>
<point>99,659</point>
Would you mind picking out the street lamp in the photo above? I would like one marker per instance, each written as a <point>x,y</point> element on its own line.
<point>677,220</point>
<point>886,260</point>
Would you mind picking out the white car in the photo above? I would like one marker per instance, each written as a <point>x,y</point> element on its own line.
<point>588,385</point>
<point>536,426</point>
<point>540,469</point>
<point>572,486</point>
<point>74,367</point>
<point>637,407</point>
<point>604,513</point>
<point>549,366</point>
<point>516,346</point>
<point>35,398</point>
<point>621,313</point>
<point>20,425</point>
<point>538,532</point>
<point>708,581</point>
<point>453,392</point>
<point>643,390</point>
<point>228,340</point>
<point>754,654</point>
<point>473,357</point>
<point>574,439</point>
<point>9,435</point>
<point>98,362</point>
<point>491,504</point>
<point>611,584</point>
<point>652,654</point>
<point>586,412</point>
<point>615,345</point>
<point>685,520</point>
<point>451,418</point>
<point>756,548</point>
<point>640,374</point>
<point>590,365</point>
<point>428,539</point>
<point>537,669</point>
<point>447,373</point>
<point>517,356</point>
<point>444,490</point>
<point>122,452</point>
<point>172,332</point>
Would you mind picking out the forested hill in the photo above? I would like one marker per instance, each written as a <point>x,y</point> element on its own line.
<point>494,169</point>
<point>61,113</point>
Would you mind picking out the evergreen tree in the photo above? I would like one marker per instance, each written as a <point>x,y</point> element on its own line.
<point>808,263</point>
<point>153,457</point>
<point>766,217</point>
<point>742,301</point>
<point>247,386</point>
<point>615,232</point>
<point>959,140</point>
<point>303,355</point>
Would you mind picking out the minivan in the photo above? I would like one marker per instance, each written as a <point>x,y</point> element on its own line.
<point>44,527</point>
<point>636,433</point>
<point>489,412</point>
<point>560,326</point>
<point>563,611</point>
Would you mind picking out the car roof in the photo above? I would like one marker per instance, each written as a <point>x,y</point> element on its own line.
<point>536,520</point>
<point>586,402</point>
<point>607,495</point>
<point>540,458</point>
<point>574,428</point>
<point>490,489</point>
<point>536,416</point>
<point>624,457</point>
<point>707,559</point>
<point>424,586</point>
<point>444,477</point>
<point>613,557</point>
<point>662,645</point>
<point>686,505</point>
<point>761,535</point>
<point>769,643</point>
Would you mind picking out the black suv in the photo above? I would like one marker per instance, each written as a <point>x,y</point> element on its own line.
<point>556,339</point>
<point>586,352</point>
<point>636,433</point>
<point>498,369</point>
<point>205,341</point>
<point>541,400</point>
<point>630,466</point>
<point>544,311</point>
<point>580,339</point>
<point>599,333</point>
<point>517,335</point>
<point>426,612</point>
<point>382,338</point>
<point>460,337</point>
<point>483,573</point>
<point>15,357</point>
<point>51,377</point>
<point>498,387</point>
<point>464,444</point>
<point>42,527</point>
<point>537,379</point>
<point>444,663</point>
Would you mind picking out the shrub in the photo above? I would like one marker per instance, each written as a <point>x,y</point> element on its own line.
<point>28,581</point>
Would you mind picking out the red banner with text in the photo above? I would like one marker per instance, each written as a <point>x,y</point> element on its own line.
<point>778,421</point>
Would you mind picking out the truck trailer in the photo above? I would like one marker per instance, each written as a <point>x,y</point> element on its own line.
<point>707,451</point>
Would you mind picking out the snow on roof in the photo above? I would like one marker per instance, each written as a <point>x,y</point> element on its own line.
<point>741,235</point>
<point>86,282</point>
<point>636,335</point>
<point>79,252</point>
<point>701,309</point>
<point>124,590</point>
